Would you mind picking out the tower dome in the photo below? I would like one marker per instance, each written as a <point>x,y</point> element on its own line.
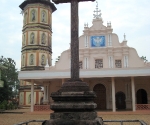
<point>36,34</point>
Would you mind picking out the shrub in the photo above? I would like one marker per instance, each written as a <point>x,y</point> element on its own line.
<point>3,105</point>
<point>7,105</point>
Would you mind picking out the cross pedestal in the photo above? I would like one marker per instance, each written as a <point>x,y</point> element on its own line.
<point>73,103</point>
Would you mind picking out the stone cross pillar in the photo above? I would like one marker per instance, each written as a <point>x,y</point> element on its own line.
<point>74,41</point>
<point>73,103</point>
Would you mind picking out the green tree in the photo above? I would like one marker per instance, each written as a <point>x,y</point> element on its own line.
<point>5,92</point>
<point>10,75</point>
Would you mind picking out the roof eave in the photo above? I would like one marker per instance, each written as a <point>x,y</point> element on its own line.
<point>38,1</point>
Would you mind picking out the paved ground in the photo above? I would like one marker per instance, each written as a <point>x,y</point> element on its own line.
<point>13,118</point>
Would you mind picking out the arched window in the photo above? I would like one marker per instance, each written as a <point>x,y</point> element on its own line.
<point>29,99</point>
<point>141,96</point>
<point>33,15</point>
<point>31,59</point>
<point>32,38</point>
<point>42,60</point>
<point>43,38</point>
<point>43,16</point>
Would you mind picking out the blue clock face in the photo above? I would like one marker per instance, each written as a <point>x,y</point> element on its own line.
<point>97,41</point>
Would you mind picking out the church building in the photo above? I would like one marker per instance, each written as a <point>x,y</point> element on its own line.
<point>112,69</point>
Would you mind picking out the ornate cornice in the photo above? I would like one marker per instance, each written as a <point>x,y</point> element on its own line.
<point>37,25</point>
<point>36,47</point>
<point>29,68</point>
<point>46,2</point>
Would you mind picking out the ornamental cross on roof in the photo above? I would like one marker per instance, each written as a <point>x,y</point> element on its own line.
<point>97,12</point>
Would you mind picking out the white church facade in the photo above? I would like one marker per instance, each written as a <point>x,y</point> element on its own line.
<point>119,77</point>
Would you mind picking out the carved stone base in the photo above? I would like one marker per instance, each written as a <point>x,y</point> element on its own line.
<point>97,121</point>
<point>73,105</point>
<point>74,115</point>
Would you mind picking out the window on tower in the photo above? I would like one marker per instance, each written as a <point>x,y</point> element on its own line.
<point>43,38</point>
<point>32,38</point>
<point>31,59</point>
<point>43,16</point>
<point>24,39</point>
<point>33,15</point>
<point>42,60</point>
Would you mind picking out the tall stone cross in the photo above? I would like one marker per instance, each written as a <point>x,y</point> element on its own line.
<point>74,36</point>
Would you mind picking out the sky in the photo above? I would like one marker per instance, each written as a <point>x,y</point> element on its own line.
<point>127,16</point>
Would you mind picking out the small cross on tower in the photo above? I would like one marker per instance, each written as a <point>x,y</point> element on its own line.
<point>74,36</point>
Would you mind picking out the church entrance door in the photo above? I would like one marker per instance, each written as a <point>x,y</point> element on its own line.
<point>120,100</point>
<point>141,96</point>
<point>100,100</point>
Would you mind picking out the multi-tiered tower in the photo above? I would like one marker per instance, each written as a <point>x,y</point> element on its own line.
<point>37,34</point>
<point>36,43</point>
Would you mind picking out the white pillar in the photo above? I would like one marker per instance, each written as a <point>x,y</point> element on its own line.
<point>44,93</point>
<point>45,101</point>
<point>133,93</point>
<point>32,95</point>
<point>113,95</point>
<point>47,98</point>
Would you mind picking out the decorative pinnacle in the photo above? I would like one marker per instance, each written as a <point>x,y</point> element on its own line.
<point>85,24</point>
<point>124,37</point>
<point>97,12</point>
<point>109,23</point>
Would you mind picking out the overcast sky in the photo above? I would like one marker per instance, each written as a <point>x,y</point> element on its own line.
<point>131,17</point>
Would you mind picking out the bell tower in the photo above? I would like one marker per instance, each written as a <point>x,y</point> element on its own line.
<point>36,34</point>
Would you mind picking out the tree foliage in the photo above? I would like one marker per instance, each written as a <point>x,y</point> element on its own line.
<point>10,75</point>
<point>5,92</point>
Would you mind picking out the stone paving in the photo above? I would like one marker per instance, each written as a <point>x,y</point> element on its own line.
<point>13,118</point>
